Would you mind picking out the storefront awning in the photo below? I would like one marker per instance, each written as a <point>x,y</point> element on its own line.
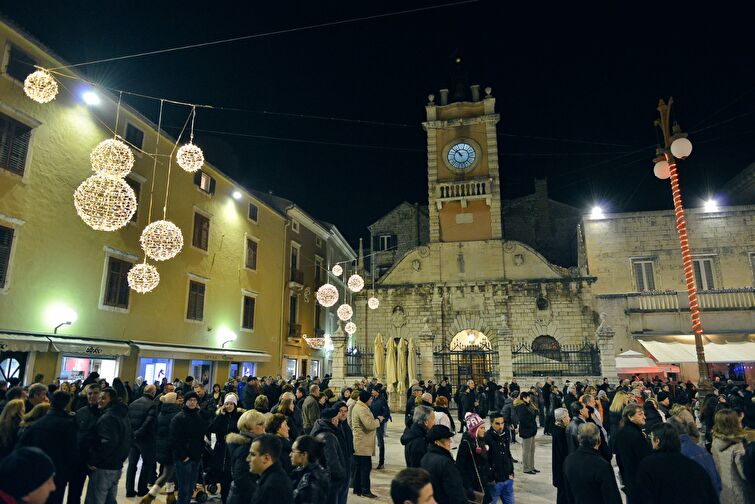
<point>89,347</point>
<point>678,352</point>
<point>199,353</point>
<point>631,362</point>
<point>23,343</point>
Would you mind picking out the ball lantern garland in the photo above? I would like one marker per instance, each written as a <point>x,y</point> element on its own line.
<point>355,283</point>
<point>345,312</point>
<point>41,86</point>
<point>327,295</point>
<point>190,157</point>
<point>337,270</point>
<point>105,203</point>
<point>350,328</point>
<point>112,157</point>
<point>161,240</point>
<point>373,303</point>
<point>143,278</point>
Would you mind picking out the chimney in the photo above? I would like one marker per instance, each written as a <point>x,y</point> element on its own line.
<point>475,88</point>
<point>444,97</point>
<point>541,188</point>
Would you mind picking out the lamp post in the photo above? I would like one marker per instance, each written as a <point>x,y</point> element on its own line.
<point>676,146</point>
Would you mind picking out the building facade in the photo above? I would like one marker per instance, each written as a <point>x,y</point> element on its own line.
<point>221,308</point>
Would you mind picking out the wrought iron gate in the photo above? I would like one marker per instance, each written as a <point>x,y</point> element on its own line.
<point>465,362</point>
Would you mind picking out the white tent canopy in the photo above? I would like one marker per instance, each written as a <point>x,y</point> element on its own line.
<point>631,362</point>
<point>678,352</point>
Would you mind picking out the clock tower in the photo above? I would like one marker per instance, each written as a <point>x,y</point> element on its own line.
<point>462,168</point>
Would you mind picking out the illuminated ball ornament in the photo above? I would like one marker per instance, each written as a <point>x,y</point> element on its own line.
<point>190,157</point>
<point>681,148</point>
<point>161,240</point>
<point>41,86</point>
<point>143,278</point>
<point>105,203</point>
<point>373,303</point>
<point>661,169</point>
<point>112,157</point>
<point>327,295</point>
<point>355,283</point>
<point>337,270</point>
<point>350,328</point>
<point>345,312</point>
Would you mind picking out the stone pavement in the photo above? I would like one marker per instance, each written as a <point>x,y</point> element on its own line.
<point>528,489</point>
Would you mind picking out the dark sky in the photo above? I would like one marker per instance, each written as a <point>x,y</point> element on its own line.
<point>578,72</point>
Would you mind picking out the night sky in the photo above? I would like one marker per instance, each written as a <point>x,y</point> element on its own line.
<point>576,87</point>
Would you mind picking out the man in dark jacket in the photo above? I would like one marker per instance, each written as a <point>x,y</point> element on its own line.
<point>86,421</point>
<point>579,415</point>
<point>109,449</point>
<point>499,459</point>
<point>559,452</point>
<point>525,413</point>
<point>448,487</point>
<point>631,446</point>
<point>468,403</point>
<point>509,415</point>
<point>411,402</point>
<point>668,476</point>
<point>589,479</point>
<point>205,402</point>
<point>274,484</point>
<point>187,431</point>
<point>251,391</point>
<point>379,407</point>
<point>414,438</point>
<point>55,434</point>
<point>142,414</point>
<point>326,430</point>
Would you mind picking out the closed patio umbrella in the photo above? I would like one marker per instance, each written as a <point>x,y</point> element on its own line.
<point>390,365</point>
<point>378,363</point>
<point>401,372</point>
<point>412,362</point>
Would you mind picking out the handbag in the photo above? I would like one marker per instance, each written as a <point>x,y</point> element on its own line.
<point>478,497</point>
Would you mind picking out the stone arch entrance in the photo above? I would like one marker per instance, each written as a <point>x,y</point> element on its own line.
<point>470,356</point>
<point>469,337</point>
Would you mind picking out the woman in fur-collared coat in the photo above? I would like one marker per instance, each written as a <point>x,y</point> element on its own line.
<point>728,451</point>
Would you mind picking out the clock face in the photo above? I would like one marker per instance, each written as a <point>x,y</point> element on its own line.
<point>461,156</point>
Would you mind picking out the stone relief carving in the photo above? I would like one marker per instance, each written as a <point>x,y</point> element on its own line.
<point>416,265</point>
<point>518,259</point>
<point>398,318</point>
<point>423,251</point>
<point>307,293</point>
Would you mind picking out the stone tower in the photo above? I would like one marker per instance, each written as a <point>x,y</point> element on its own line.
<point>462,168</point>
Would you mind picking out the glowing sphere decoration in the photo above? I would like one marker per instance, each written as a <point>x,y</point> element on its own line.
<point>355,283</point>
<point>350,328</point>
<point>190,157</point>
<point>41,86</point>
<point>344,312</point>
<point>337,270</point>
<point>112,157</point>
<point>373,303</point>
<point>681,148</point>
<point>143,278</point>
<point>661,169</point>
<point>327,295</point>
<point>105,203</point>
<point>161,240</point>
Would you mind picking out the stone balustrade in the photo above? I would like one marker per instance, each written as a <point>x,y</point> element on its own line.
<point>464,190</point>
<point>720,299</point>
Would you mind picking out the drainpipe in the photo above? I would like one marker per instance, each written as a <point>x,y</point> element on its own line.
<point>283,297</point>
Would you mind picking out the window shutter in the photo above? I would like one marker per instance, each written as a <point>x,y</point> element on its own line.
<point>212,185</point>
<point>19,148</point>
<point>708,267</point>
<point>639,280</point>
<point>198,178</point>
<point>6,241</point>
<point>393,242</point>
<point>649,278</point>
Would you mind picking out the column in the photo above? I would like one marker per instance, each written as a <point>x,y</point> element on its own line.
<point>605,335</point>
<point>504,337</point>
<point>426,363</point>
<point>339,339</point>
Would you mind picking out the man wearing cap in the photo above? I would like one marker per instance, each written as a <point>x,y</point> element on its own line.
<point>326,430</point>
<point>187,431</point>
<point>448,487</point>
<point>379,408</point>
<point>26,476</point>
<point>142,414</point>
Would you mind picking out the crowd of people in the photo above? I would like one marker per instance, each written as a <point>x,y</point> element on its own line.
<point>301,441</point>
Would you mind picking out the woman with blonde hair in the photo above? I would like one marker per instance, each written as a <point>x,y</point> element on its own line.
<point>251,425</point>
<point>10,421</point>
<point>35,414</point>
<point>728,453</point>
<point>620,400</point>
<point>653,414</point>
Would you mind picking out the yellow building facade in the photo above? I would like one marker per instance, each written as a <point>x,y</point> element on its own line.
<point>221,306</point>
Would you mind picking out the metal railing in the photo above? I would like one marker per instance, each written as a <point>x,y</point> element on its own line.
<point>359,362</point>
<point>568,360</point>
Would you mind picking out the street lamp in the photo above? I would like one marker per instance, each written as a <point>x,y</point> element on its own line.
<point>677,146</point>
<point>227,336</point>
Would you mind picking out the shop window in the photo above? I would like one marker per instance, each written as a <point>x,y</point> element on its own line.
<point>247,318</point>
<point>10,368</point>
<point>117,289</point>
<point>291,368</point>
<point>201,236</point>
<point>315,368</point>
<point>6,242</point>
<point>155,369</point>
<point>78,368</point>
<point>14,144</point>
<point>202,371</point>
<point>643,274</point>
<point>195,309</point>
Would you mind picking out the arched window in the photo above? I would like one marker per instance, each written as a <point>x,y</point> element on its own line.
<point>9,368</point>
<point>547,346</point>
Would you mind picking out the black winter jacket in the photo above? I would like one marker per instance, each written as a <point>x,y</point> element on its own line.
<point>664,477</point>
<point>335,458</point>
<point>473,465</point>
<point>589,479</point>
<point>244,482</point>
<point>142,414</point>
<point>187,431</point>
<point>526,417</point>
<point>54,434</point>
<point>559,452</point>
<point>414,440</point>
<point>274,486</point>
<point>631,446</point>
<point>572,442</point>
<point>652,417</point>
<point>113,438</point>
<point>86,421</point>
<point>167,412</point>
<point>310,484</point>
<point>448,487</point>
<point>499,456</point>
<point>222,425</point>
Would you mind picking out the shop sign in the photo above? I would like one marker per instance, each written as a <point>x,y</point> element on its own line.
<point>93,350</point>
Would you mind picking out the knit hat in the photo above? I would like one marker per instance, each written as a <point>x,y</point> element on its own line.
<point>662,396</point>
<point>473,421</point>
<point>329,413</point>
<point>24,470</point>
<point>190,395</point>
<point>169,398</point>
<point>437,432</point>
<point>231,398</point>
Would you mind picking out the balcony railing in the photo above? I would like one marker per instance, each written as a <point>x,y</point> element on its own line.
<point>463,190</point>
<point>720,299</point>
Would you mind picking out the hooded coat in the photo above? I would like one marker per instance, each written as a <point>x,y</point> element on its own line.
<point>244,483</point>
<point>728,453</point>
<point>310,484</point>
<point>414,440</point>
